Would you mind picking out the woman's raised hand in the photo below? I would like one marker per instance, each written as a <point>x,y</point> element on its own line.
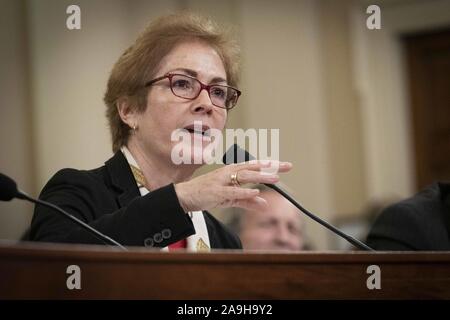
<point>224,187</point>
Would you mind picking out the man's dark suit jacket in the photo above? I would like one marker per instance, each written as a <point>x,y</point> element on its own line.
<point>108,199</point>
<point>418,223</point>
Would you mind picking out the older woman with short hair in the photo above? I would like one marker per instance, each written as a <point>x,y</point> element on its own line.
<point>181,70</point>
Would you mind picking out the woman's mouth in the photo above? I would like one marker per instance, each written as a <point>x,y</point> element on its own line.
<point>198,129</point>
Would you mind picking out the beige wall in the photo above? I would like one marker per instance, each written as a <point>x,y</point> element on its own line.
<point>16,155</point>
<point>310,68</point>
<point>380,82</point>
<point>283,82</point>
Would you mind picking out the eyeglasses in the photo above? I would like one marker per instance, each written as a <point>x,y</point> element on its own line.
<point>187,87</point>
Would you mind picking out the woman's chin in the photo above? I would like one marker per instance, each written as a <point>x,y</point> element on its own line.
<point>198,154</point>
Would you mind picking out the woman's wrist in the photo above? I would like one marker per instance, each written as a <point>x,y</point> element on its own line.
<point>182,196</point>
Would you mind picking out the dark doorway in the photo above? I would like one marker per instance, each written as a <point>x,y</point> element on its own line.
<point>428,58</point>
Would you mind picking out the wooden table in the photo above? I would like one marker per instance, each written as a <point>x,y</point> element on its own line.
<point>39,271</point>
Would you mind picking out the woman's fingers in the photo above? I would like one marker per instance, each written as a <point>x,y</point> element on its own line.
<point>256,171</point>
<point>248,176</point>
<point>252,204</point>
<point>231,194</point>
<point>270,166</point>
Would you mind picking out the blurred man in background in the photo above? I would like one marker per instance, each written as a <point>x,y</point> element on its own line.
<point>278,227</point>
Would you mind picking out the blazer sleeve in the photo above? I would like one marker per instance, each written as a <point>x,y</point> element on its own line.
<point>155,219</point>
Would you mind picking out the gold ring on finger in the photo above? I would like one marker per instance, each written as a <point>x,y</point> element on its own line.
<point>234,179</point>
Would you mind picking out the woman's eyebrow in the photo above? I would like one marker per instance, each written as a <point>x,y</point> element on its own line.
<point>218,79</point>
<point>194,74</point>
<point>189,72</point>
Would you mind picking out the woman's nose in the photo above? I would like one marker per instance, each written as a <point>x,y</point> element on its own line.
<point>203,103</point>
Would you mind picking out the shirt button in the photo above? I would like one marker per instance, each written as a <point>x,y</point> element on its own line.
<point>148,242</point>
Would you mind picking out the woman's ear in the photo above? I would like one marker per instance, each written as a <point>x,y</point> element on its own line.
<point>126,111</point>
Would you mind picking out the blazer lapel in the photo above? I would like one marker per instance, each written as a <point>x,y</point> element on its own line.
<point>122,178</point>
<point>214,242</point>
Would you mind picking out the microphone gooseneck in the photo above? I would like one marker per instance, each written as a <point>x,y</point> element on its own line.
<point>9,191</point>
<point>236,154</point>
<point>353,241</point>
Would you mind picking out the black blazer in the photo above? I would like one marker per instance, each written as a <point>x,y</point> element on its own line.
<point>418,223</point>
<point>108,199</point>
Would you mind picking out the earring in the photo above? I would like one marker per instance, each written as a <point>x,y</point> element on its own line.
<point>134,128</point>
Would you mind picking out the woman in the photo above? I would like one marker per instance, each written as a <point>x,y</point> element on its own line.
<point>179,71</point>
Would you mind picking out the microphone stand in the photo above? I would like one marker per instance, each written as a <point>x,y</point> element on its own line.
<point>350,239</point>
<point>236,154</point>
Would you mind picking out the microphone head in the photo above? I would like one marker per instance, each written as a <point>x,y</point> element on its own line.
<point>8,188</point>
<point>236,154</point>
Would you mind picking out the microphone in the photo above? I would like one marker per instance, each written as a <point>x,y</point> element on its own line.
<point>9,191</point>
<point>236,154</point>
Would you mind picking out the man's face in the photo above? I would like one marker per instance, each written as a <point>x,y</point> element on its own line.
<point>278,227</point>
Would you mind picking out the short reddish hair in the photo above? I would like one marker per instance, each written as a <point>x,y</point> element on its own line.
<point>138,64</point>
